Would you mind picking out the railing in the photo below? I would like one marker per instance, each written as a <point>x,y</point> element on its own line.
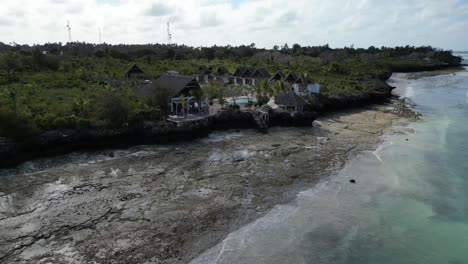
<point>261,116</point>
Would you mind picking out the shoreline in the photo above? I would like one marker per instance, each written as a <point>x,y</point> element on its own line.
<point>53,143</point>
<point>182,206</point>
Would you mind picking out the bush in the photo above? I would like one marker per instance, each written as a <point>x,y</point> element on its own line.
<point>60,123</point>
<point>233,107</point>
<point>82,123</point>
<point>45,122</point>
<point>262,100</point>
<point>113,108</point>
<point>16,127</point>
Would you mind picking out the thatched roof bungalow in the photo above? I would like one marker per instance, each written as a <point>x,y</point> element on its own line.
<point>249,75</point>
<point>291,101</point>
<point>291,77</point>
<point>175,86</point>
<point>135,72</point>
<point>212,73</point>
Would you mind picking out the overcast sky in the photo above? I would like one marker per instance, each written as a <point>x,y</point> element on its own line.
<point>440,23</point>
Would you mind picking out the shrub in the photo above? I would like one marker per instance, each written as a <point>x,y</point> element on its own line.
<point>15,126</point>
<point>60,123</point>
<point>82,123</point>
<point>233,107</point>
<point>113,108</point>
<point>161,99</point>
<point>45,122</point>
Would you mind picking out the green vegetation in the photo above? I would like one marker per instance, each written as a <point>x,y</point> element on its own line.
<point>80,85</point>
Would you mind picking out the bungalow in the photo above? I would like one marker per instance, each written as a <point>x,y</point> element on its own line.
<point>221,73</point>
<point>135,72</point>
<point>177,86</point>
<point>203,74</point>
<point>291,101</point>
<point>213,73</point>
<point>302,85</point>
<point>249,75</point>
<point>291,78</point>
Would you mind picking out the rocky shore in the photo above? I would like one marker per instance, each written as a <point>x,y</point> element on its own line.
<point>64,141</point>
<point>169,203</point>
<point>163,132</point>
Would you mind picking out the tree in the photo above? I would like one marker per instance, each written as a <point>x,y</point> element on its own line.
<point>263,91</point>
<point>296,48</point>
<point>38,57</point>
<point>80,105</point>
<point>183,104</point>
<point>113,108</point>
<point>161,99</point>
<point>280,87</point>
<point>212,89</point>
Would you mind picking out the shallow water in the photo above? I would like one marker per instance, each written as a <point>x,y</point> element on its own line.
<point>409,205</point>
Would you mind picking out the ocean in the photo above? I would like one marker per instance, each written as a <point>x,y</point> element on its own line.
<point>409,203</point>
<point>463,54</point>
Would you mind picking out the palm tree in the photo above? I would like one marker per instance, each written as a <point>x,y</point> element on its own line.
<point>79,105</point>
<point>183,105</point>
<point>263,91</point>
<point>280,87</point>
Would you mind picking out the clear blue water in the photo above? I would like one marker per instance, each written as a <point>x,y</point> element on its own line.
<point>410,203</point>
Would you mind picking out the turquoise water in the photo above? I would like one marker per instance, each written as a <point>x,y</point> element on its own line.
<point>410,203</point>
<point>243,100</point>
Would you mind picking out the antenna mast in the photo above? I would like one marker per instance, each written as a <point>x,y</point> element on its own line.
<point>100,42</point>
<point>169,35</point>
<point>69,31</point>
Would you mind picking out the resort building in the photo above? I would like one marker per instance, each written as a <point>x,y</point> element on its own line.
<point>135,72</point>
<point>290,101</point>
<point>177,86</point>
<point>248,76</point>
<point>302,85</point>
<point>213,73</point>
<point>203,74</point>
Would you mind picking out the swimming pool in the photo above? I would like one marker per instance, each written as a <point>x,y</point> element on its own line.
<point>242,100</point>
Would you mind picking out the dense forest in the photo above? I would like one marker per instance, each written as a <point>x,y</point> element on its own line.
<point>60,86</point>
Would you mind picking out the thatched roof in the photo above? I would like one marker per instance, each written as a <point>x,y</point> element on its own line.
<point>251,72</point>
<point>239,71</point>
<point>305,80</point>
<point>134,69</point>
<point>222,71</point>
<point>291,77</point>
<point>261,73</point>
<point>176,84</point>
<point>290,99</point>
<point>204,69</point>
<point>277,76</point>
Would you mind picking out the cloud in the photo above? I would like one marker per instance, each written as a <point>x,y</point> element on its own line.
<point>5,22</point>
<point>159,9</point>
<point>210,20</point>
<point>288,17</point>
<point>235,22</point>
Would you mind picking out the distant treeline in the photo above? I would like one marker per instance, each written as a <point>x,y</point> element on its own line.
<point>183,52</point>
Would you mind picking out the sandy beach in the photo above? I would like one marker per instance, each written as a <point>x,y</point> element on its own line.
<point>168,204</point>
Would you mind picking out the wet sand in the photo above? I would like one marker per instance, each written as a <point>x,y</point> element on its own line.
<point>168,204</point>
